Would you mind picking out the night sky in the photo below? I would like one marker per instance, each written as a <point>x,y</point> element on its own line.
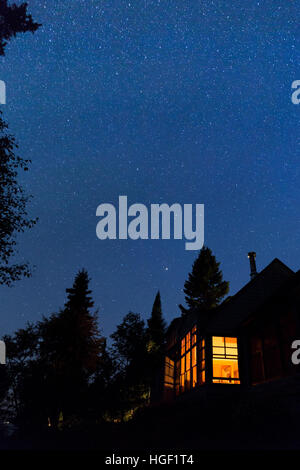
<point>163,101</point>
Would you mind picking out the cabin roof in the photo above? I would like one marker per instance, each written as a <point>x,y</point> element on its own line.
<point>236,309</point>
<point>247,300</point>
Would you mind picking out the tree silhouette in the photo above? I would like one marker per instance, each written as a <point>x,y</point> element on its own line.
<point>156,326</point>
<point>23,397</point>
<point>14,19</point>
<point>156,341</point>
<point>130,352</point>
<point>13,216</point>
<point>71,349</point>
<point>52,364</point>
<point>129,339</point>
<point>13,202</point>
<point>205,287</point>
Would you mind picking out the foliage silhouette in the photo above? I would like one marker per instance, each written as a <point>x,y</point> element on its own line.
<point>130,352</point>
<point>13,215</point>
<point>204,288</point>
<point>52,363</point>
<point>156,326</point>
<point>14,19</point>
<point>13,212</point>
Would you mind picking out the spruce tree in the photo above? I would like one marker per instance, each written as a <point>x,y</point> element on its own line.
<point>156,326</point>
<point>155,346</point>
<point>83,333</point>
<point>71,349</point>
<point>53,363</point>
<point>205,287</point>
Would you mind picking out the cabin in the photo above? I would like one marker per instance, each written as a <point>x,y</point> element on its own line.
<point>244,343</point>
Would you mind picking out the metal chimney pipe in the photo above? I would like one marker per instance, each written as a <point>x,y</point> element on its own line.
<point>251,256</point>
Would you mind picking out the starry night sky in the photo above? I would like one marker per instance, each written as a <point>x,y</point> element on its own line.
<point>163,101</point>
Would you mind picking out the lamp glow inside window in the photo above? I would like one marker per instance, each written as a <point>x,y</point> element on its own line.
<point>225,360</point>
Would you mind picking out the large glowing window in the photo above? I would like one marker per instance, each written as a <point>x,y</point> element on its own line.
<point>225,360</point>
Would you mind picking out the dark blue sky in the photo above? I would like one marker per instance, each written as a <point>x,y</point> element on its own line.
<point>164,101</point>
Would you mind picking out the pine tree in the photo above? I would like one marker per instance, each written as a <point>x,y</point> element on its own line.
<point>205,287</point>
<point>155,347</point>
<point>156,326</point>
<point>53,363</point>
<point>71,349</point>
<point>83,333</point>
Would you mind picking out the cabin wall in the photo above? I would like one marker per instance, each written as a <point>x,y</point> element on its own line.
<point>269,346</point>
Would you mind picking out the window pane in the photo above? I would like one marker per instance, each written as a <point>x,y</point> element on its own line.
<point>188,341</point>
<point>219,351</point>
<point>188,361</point>
<point>194,376</point>
<point>182,368</point>
<point>218,341</point>
<point>182,346</point>
<point>194,356</point>
<point>188,380</point>
<point>202,354</point>
<point>231,342</point>
<point>224,370</point>
<point>182,382</point>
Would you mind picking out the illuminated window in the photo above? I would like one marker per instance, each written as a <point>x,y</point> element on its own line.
<point>194,335</point>
<point>194,365</point>
<point>201,367</point>
<point>188,341</point>
<point>191,370</point>
<point>169,372</point>
<point>188,361</point>
<point>183,346</point>
<point>169,378</point>
<point>225,360</point>
<point>185,363</point>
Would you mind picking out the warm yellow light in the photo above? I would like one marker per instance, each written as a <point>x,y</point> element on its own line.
<point>218,341</point>
<point>194,356</point>
<point>225,360</point>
